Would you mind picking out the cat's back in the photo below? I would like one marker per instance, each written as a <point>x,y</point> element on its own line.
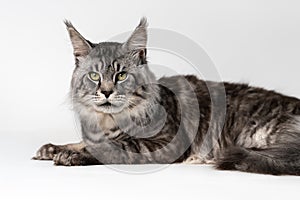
<point>239,97</point>
<point>250,99</point>
<point>184,84</point>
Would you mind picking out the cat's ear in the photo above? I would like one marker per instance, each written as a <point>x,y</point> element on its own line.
<point>81,46</point>
<point>138,39</point>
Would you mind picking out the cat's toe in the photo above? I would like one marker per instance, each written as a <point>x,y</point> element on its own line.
<point>68,158</point>
<point>47,152</point>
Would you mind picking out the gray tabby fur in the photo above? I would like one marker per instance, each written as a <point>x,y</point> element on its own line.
<point>169,120</point>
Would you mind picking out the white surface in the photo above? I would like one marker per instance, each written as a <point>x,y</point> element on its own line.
<point>22,178</point>
<point>255,41</point>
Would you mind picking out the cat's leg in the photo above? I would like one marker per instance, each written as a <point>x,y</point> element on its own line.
<point>48,151</point>
<point>135,152</point>
<point>109,153</point>
<point>126,151</point>
<point>140,151</point>
<point>279,159</point>
<point>274,152</point>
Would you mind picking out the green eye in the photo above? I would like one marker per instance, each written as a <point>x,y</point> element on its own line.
<point>94,76</point>
<point>121,76</point>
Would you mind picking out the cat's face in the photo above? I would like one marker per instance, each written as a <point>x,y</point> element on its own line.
<point>111,77</point>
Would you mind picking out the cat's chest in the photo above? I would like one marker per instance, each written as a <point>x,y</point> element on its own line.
<point>99,128</point>
<point>106,123</point>
<point>110,127</point>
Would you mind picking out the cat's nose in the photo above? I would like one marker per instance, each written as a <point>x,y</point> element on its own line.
<point>107,93</point>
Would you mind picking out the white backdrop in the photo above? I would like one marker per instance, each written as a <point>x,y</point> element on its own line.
<point>253,41</point>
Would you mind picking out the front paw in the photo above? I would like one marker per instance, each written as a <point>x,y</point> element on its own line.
<point>47,152</point>
<point>68,158</point>
<point>74,158</point>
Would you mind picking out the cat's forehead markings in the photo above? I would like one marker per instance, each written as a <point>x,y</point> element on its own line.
<point>100,65</point>
<point>116,65</point>
<point>96,67</point>
<point>103,61</point>
<point>110,68</point>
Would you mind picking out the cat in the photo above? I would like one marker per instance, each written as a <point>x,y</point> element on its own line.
<point>127,116</point>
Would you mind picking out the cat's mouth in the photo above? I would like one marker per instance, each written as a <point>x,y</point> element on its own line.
<point>106,104</point>
<point>108,107</point>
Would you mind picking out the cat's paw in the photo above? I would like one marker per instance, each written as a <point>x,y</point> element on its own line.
<point>194,159</point>
<point>74,158</point>
<point>47,152</point>
<point>68,158</point>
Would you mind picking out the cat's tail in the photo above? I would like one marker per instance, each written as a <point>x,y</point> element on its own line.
<point>277,160</point>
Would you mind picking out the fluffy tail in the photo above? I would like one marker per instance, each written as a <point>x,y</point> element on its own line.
<point>277,160</point>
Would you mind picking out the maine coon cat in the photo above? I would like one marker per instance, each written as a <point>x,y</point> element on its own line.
<point>129,117</point>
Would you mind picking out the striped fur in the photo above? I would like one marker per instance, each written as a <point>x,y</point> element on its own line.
<point>142,120</point>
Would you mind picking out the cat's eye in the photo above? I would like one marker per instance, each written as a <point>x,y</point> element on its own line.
<point>121,76</point>
<point>94,76</point>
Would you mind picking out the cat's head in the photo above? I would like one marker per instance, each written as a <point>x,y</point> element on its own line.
<point>111,77</point>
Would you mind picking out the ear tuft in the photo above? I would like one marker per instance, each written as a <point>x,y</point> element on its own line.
<point>68,24</point>
<point>138,39</point>
<point>81,46</point>
<point>143,22</point>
